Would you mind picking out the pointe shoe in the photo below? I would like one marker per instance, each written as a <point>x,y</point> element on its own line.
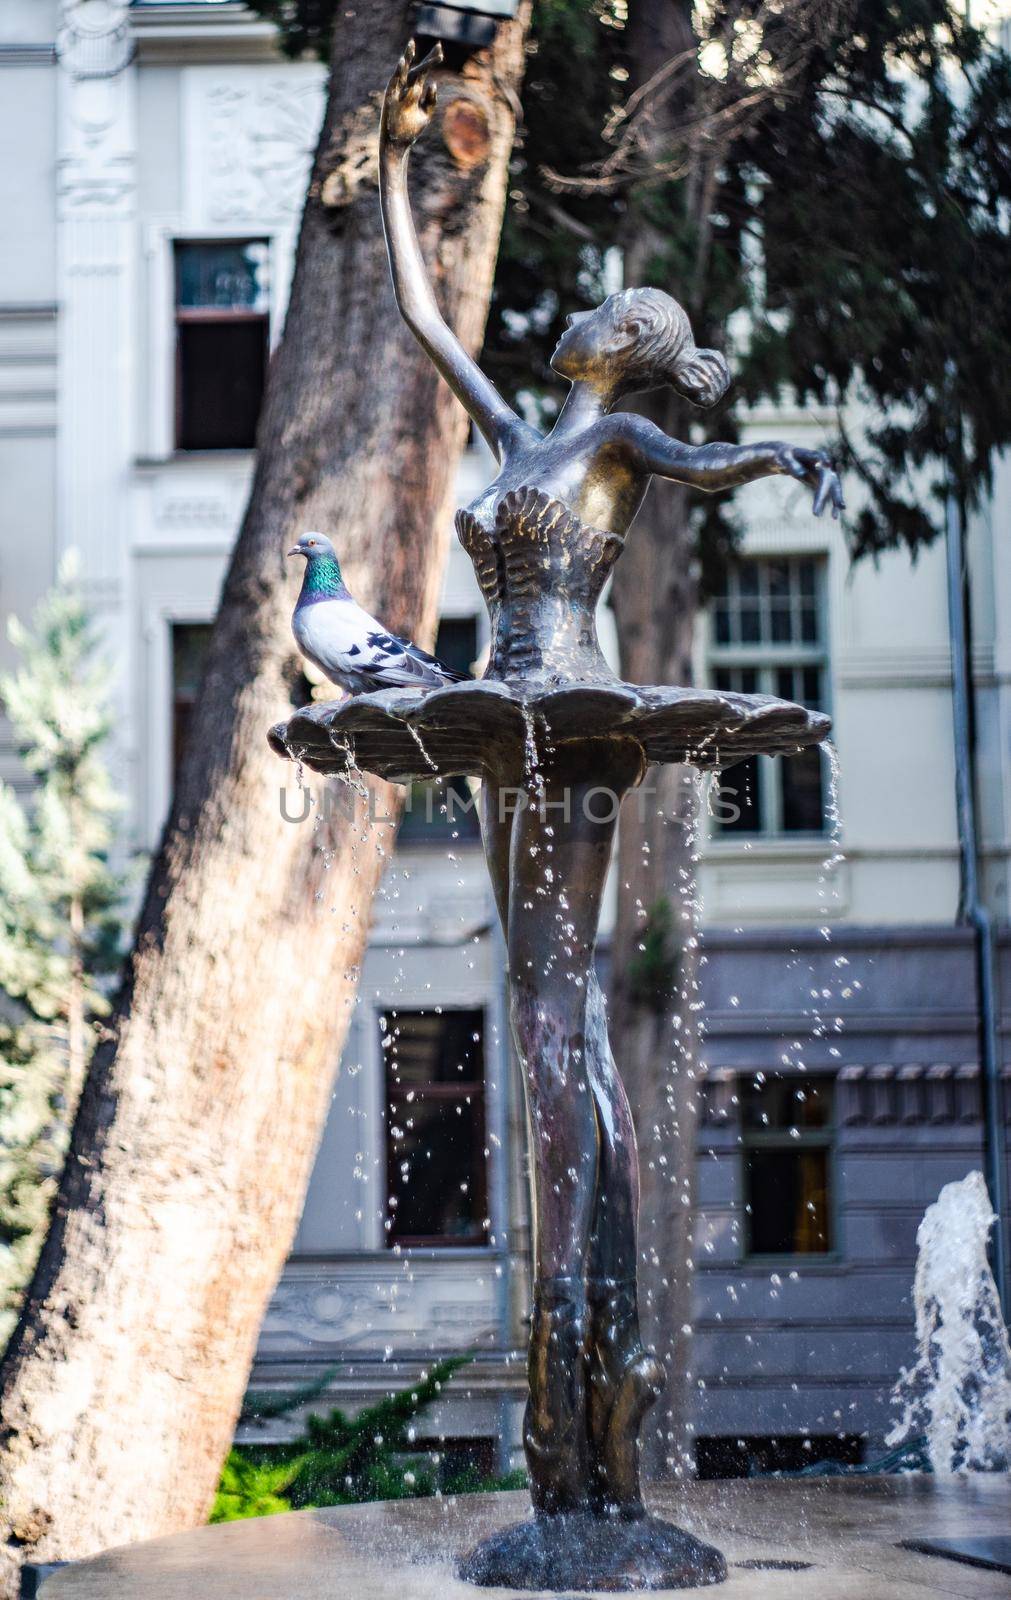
<point>625,1379</point>
<point>555,1430</point>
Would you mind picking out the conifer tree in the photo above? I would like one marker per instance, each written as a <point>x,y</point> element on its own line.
<point>59,911</point>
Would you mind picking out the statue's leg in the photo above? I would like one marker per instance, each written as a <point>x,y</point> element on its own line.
<point>555,1421</point>
<point>550,941</point>
<point>560,850</point>
<point>549,870</point>
<point>624,1378</point>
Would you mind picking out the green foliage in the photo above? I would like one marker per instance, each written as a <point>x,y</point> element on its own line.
<point>60,923</point>
<point>885,188</point>
<point>263,1407</point>
<point>305,26</point>
<point>653,975</point>
<point>339,1460</point>
<point>252,1489</point>
<point>859,218</point>
<point>470,1481</point>
<point>554,248</point>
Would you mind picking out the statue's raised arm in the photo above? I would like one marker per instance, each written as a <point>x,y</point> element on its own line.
<point>407,110</point>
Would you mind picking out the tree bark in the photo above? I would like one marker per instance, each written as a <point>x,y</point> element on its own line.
<point>203,1106</point>
<point>653,990</point>
<point>76,1047</point>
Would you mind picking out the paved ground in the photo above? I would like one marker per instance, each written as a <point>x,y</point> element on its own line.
<point>847,1532</point>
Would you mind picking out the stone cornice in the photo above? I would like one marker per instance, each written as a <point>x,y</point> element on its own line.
<point>27,55</point>
<point>195,33</point>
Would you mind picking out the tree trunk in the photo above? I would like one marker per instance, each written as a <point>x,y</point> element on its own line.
<point>202,1110</point>
<point>76,1047</point>
<point>654,982</point>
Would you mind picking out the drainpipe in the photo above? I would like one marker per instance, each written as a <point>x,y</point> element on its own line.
<point>972,909</point>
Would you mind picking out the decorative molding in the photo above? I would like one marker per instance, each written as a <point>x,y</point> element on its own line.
<point>95,40</point>
<point>880,1095</point>
<point>874,1096</point>
<point>190,506</point>
<point>250,136</point>
<point>783,854</point>
<point>95,169</point>
<point>371,1304</point>
<point>928,667</point>
<point>96,190</point>
<point>775,885</point>
<point>28,55</point>
<point>176,33</point>
<point>858,936</point>
<point>28,372</point>
<point>773,1024</point>
<point>29,311</point>
<point>83,185</point>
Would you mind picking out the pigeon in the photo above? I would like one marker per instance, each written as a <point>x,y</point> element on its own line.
<point>352,648</point>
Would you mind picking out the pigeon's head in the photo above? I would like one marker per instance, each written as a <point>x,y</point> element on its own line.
<point>315,546</point>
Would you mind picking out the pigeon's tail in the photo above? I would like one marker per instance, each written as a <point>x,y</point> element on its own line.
<point>435,665</point>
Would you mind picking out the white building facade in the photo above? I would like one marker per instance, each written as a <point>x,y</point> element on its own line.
<point>153,164</point>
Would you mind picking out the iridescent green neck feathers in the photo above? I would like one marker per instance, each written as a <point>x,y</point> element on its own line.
<point>322,579</point>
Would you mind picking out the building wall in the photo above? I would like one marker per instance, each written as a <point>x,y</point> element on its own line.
<point>28,318</point>
<point>790,1346</point>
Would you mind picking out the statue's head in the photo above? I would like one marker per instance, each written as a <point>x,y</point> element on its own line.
<point>640,339</point>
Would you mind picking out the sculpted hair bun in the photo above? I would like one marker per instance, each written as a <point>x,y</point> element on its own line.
<point>702,376</point>
<point>665,351</point>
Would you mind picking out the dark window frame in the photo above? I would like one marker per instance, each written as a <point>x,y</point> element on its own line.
<point>762,660</point>
<point>182,700</point>
<point>216,316</point>
<point>465,1090</point>
<point>780,1139</point>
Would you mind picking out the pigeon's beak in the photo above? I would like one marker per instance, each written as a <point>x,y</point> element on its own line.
<point>294,551</point>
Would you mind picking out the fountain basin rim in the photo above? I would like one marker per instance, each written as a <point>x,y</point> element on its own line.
<point>483,727</point>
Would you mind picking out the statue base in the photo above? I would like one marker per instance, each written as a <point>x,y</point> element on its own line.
<point>577,1550</point>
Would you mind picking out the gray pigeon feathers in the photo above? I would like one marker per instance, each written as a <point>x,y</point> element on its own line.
<point>345,642</point>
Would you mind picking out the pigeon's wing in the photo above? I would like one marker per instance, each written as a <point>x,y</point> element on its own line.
<point>355,650</point>
<point>397,664</point>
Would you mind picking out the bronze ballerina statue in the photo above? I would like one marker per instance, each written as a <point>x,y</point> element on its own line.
<point>550,721</point>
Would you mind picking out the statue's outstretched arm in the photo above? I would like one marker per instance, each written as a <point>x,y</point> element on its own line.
<point>407,110</point>
<point>724,466</point>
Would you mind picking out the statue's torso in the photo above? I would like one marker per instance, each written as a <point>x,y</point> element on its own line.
<point>590,473</point>
<point>541,572</point>
<point>543,538</point>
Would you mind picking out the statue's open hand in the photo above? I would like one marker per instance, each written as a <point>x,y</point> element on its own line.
<point>410,98</point>
<point>814,468</point>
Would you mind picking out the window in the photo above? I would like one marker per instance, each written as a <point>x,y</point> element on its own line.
<point>768,637</point>
<point>436,1164</point>
<point>446,808</point>
<point>222,342</point>
<point>189,652</point>
<point>787,1145</point>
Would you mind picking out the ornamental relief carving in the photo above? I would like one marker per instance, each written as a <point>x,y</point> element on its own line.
<point>253,142</point>
<point>365,1314</point>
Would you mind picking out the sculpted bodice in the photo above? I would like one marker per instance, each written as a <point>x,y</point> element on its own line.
<point>541,571</point>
